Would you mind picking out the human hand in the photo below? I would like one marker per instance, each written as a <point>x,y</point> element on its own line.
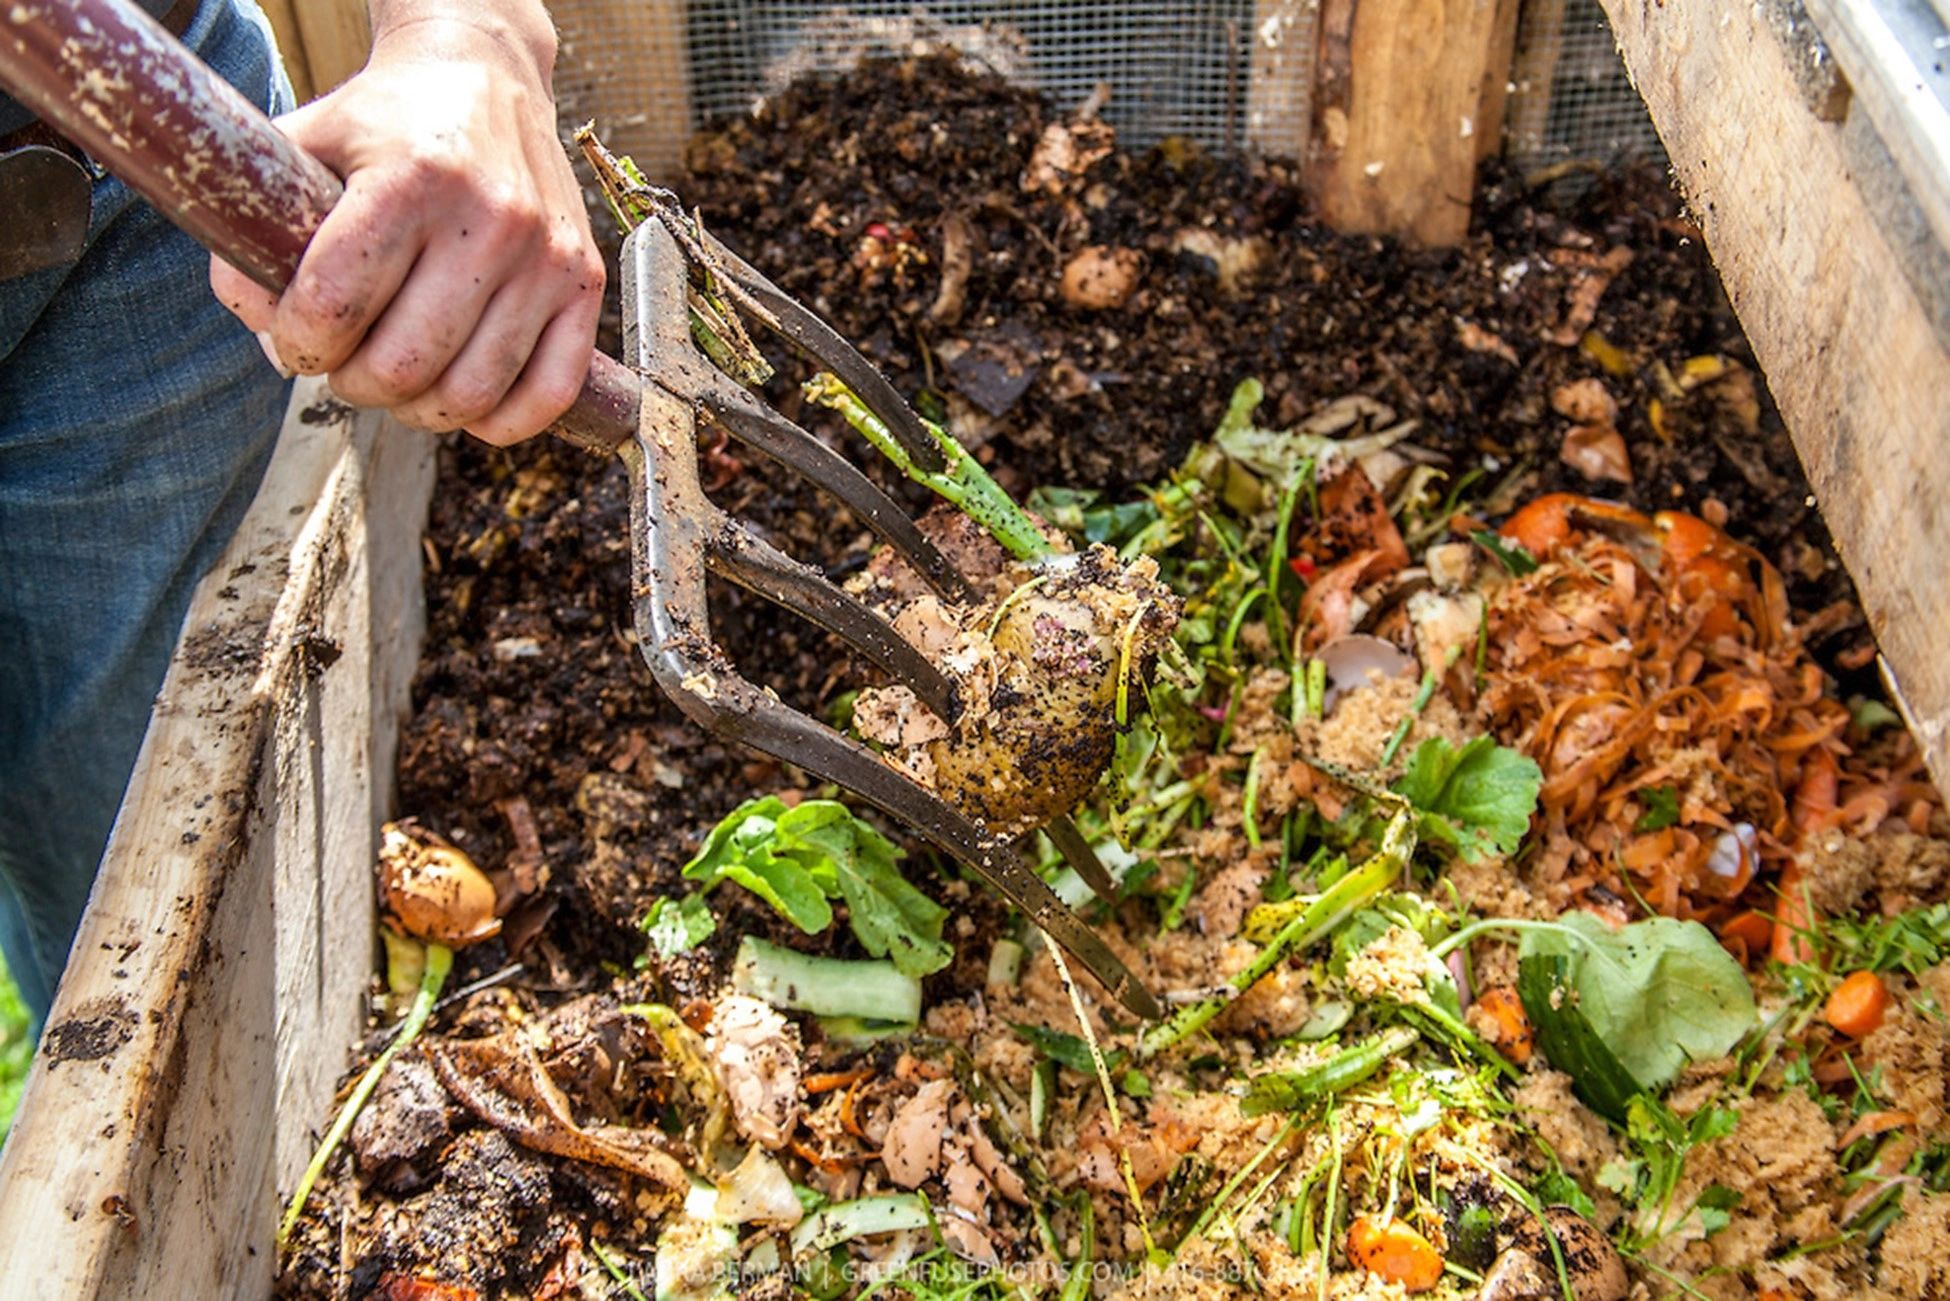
<point>456,283</point>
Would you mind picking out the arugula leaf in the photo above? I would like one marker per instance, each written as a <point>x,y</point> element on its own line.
<point>798,858</point>
<point>1477,799</point>
<point>679,925</point>
<point>1511,555</point>
<point>1661,808</point>
<point>1066,1049</point>
<point>1624,1011</point>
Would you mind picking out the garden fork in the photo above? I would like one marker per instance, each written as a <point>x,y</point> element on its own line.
<point>122,88</point>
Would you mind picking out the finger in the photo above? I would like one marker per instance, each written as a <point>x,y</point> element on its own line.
<point>552,378</point>
<point>486,367</point>
<point>430,322</point>
<point>247,300</point>
<point>362,254</point>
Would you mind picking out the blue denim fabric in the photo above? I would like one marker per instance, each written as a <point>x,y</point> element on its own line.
<point>136,417</point>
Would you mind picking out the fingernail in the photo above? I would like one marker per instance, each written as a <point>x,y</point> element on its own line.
<point>271,354</point>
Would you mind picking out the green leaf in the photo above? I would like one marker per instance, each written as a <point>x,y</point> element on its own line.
<point>1714,1207</point>
<point>679,925</point>
<point>799,858</point>
<point>1559,1189</point>
<point>1624,1011</point>
<point>1661,808</point>
<point>1511,555</point>
<point>1477,799</point>
<point>1066,1049</point>
<point>891,917</point>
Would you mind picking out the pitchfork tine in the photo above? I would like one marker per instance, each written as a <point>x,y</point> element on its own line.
<point>818,340</point>
<point>757,425</point>
<point>753,563</point>
<point>674,528</point>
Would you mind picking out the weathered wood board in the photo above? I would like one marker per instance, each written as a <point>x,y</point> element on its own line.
<point>218,977</point>
<point>1798,216</point>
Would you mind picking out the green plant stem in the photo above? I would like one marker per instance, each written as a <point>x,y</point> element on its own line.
<point>832,987</point>
<point>440,960</point>
<point>1422,698</point>
<point>963,482</point>
<point>1333,907</point>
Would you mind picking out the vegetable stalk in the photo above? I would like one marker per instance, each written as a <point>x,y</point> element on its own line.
<point>440,960</point>
<point>963,482</point>
<point>1308,923</point>
<point>786,978</point>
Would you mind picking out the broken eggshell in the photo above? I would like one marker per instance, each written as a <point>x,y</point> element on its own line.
<point>432,891</point>
<point>1359,660</point>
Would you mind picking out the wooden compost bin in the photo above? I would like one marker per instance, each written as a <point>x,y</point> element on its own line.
<point>194,1050</point>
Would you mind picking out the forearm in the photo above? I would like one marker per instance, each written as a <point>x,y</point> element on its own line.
<point>520,27</point>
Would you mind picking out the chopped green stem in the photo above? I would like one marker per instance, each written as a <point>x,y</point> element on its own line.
<point>1442,1025</point>
<point>1231,1185</point>
<point>1493,925</point>
<point>614,1269</point>
<point>1077,1286</point>
<point>1276,561</point>
<point>1291,1090</point>
<point>963,482</point>
<point>1249,803</point>
<point>1309,923</point>
<point>1422,698</point>
<point>874,991</point>
<point>440,960</point>
<point>860,1218</point>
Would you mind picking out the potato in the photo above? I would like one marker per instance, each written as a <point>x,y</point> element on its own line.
<point>1037,671</point>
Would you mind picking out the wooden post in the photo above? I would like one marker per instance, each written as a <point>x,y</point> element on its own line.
<point>1280,69</point>
<point>291,45</point>
<point>1839,302</point>
<point>1397,106</point>
<point>1539,45</point>
<point>626,65</point>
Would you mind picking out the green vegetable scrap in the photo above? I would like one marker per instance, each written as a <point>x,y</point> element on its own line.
<point>1623,1012</point>
<point>679,925</point>
<point>797,859</point>
<point>875,994</point>
<point>1477,799</point>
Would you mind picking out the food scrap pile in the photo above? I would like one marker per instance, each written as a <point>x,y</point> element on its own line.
<point>1543,900</point>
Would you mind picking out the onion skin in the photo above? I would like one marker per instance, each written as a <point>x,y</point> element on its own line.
<point>431,891</point>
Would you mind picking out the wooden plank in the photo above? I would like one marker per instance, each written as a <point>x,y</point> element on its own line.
<point>1279,74</point>
<point>1398,86</point>
<point>219,972</point>
<point>283,15</point>
<point>337,36</point>
<point>1533,73</point>
<point>626,65</point>
<point>1847,344</point>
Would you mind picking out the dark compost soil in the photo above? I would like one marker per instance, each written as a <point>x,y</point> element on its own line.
<point>533,708</point>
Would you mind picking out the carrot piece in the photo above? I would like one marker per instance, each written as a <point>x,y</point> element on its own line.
<point>1395,1251</point>
<point>1749,928</point>
<point>1514,1034</point>
<point>1542,525</point>
<point>1815,795</point>
<point>1794,919</point>
<point>1857,1005</point>
<point>1872,1123</point>
<point>827,1081</point>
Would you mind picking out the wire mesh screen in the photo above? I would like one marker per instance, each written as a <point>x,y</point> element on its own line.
<point>1173,69</point>
<point>1223,73</point>
<point>1573,99</point>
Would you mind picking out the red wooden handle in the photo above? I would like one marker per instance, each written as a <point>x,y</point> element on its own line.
<point>120,86</point>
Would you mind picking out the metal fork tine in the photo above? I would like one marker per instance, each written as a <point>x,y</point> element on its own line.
<point>758,426</point>
<point>818,340</point>
<point>1078,854</point>
<point>760,721</point>
<point>755,564</point>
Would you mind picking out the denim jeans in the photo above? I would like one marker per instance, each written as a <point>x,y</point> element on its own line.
<point>136,417</point>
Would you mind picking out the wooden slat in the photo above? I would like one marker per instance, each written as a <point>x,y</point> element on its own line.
<point>337,37</point>
<point>1398,89</point>
<point>1848,347</point>
<point>218,975</point>
<point>291,45</point>
<point>1493,100</point>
